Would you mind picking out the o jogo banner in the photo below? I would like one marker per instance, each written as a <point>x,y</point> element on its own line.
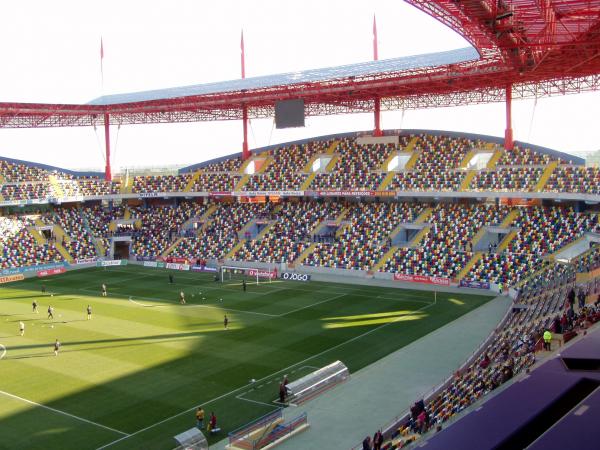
<point>439,281</point>
<point>11,278</point>
<point>49,272</point>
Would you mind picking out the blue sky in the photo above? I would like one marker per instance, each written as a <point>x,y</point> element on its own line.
<point>51,54</point>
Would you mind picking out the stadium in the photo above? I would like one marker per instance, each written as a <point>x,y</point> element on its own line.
<point>374,289</point>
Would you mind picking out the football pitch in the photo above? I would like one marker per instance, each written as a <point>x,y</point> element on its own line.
<point>132,376</point>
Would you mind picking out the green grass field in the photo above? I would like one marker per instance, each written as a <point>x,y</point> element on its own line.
<point>131,377</point>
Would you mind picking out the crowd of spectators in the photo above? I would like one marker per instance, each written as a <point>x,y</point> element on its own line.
<point>507,179</point>
<point>583,180</point>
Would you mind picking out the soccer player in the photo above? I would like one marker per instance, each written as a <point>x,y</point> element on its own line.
<point>103,290</point>
<point>35,307</point>
<point>56,347</point>
<point>89,312</point>
<point>50,312</point>
<point>244,284</point>
<point>182,298</point>
<point>43,288</point>
<point>225,321</point>
<point>170,278</point>
<point>22,328</point>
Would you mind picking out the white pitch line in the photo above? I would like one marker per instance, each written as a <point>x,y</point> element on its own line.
<point>63,413</point>
<point>3,351</point>
<point>240,397</point>
<point>366,333</point>
<point>312,304</point>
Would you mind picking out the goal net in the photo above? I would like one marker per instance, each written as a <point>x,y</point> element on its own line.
<point>251,275</point>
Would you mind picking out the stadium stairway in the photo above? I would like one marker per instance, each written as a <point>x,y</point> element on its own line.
<point>410,164</point>
<point>308,181</point>
<point>267,162</point>
<point>548,171</point>
<point>411,144</point>
<point>493,161</point>
<point>127,186</point>
<point>510,217</point>
<point>386,181</point>
<point>478,236</point>
<point>265,230</point>
<point>171,247</point>
<point>465,270</point>
<point>240,184</point>
<point>416,241</point>
<point>386,256</point>
<point>332,163</point>
<point>190,185</point>
<point>424,216</point>
<point>342,216</point>
<point>100,250</point>
<point>466,182</point>
<point>127,213</point>
<point>235,249</point>
<point>503,245</point>
<point>332,147</point>
<point>307,251</point>
<point>463,164</point>
<point>55,186</point>
<point>39,237</point>
<point>60,234</point>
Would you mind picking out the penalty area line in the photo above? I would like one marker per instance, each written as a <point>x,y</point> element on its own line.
<point>81,419</point>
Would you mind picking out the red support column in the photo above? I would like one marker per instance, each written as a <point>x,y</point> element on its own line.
<point>377,131</point>
<point>245,150</point>
<point>107,171</point>
<point>508,133</point>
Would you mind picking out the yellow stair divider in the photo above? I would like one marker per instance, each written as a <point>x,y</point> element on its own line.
<point>386,181</point>
<point>264,231</point>
<point>1,196</point>
<point>387,161</point>
<point>127,214</point>
<point>465,270</point>
<point>265,164</point>
<point>100,246</point>
<point>493,161</point>
<point>332,163</point>
<point>424,216</point>
<point>309,164</point>
<point>240,184</point>
<point>63,251</point>
<point>341,229</point>
<point>477,236</point>
<point>490,146</point>
<point>245,165</point>
<point>463,164</point>
<point>308,181</point>
<point>332,147</point>
<point>39,237</point>
<point>342,215</point>
<point>112,226</point>
<point>38,223</point>
<point>235,249</point>
<point>386,256</point>
<point>412,161</point>
<point>307,251</point>
<point>190,184</point>
<point>60,234</point>
<point>510,217</point>
<point>503,245</point>
<point>58,190</point>
<point>548,171</point>
<point>171,247</point>
<point>127,185</point>
<point>211,209</point>
<point>411,144</point>
<point>416,241</point>
<point>466,182</point>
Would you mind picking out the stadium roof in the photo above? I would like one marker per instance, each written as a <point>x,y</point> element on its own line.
<point>363,69</point>
<point>538,48</point>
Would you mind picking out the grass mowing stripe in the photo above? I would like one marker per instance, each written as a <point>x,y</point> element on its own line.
<point>366,333</point>
<point>63,413</point>
<point>313,304</point>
